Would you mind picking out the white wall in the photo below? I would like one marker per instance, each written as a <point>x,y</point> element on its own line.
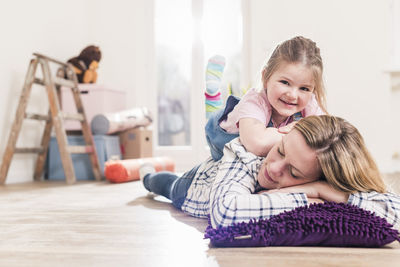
<point>54,28</point>
<point>354,37</point>
<point>61,29</point>
<point>124,31</point>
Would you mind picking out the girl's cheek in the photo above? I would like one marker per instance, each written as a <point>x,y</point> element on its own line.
<point>307,97</point>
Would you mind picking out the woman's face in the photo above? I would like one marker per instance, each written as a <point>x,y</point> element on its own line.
<point>289,89</point>
<point>290,162</point>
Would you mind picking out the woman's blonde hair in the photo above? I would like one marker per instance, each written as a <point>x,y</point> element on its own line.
<point>343,157</point>
<point>298,50</point>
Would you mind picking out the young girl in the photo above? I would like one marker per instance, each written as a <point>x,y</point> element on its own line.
<point>292,89</point>
<point>322,158</point>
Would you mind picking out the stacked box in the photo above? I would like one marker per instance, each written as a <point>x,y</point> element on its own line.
<point>96,99</point>
<point>107,147</point>
<point>136,143</point>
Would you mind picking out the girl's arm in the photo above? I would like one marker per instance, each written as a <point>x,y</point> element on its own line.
<point>256,138</point>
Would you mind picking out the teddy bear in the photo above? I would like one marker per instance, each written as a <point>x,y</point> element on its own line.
<point>85,65</point>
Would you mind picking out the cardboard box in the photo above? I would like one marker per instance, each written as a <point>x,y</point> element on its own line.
<point>136,143</point>
<point>107,147</point>
<point>96,99</point>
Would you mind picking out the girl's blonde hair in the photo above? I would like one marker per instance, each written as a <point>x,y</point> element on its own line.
<point>298,50</point>
<point>343,157</point>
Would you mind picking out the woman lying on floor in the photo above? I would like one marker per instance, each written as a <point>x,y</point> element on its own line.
<point>323,158</point>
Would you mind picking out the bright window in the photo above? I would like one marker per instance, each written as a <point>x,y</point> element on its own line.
<point>176,34</point>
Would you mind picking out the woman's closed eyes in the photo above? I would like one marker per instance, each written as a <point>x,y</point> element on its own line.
<point>281,152</point>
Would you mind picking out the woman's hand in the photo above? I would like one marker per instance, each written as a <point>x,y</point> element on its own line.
<point>312,200</point>
<point>310,189</point>
<point>328,193</point>
<point>315,190</point>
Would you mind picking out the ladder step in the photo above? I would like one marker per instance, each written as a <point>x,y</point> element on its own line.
<point>66,116</point>
<point>80,149</point>
<point>29,150</point>
<point>58,81</point>
<point>51,59</point>
<point>33,116</point>
<point>73,116</point>
<point>54,118</point>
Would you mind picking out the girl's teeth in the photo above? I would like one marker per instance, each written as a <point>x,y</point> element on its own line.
<point>288,103</point>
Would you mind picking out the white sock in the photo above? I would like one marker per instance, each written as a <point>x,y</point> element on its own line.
<point>145,169</point>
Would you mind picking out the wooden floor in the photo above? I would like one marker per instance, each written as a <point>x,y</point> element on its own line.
<point>102,224</point>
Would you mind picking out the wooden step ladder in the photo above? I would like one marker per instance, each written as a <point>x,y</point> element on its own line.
<point>54,118</point>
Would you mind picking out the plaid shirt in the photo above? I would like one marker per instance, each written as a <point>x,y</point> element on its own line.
<point>225,189</point>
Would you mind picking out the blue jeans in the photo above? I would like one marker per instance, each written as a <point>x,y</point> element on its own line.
<point>216,136</point>
<point>170,185</point>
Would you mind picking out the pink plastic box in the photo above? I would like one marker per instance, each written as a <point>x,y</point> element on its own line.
<point>96,98</point>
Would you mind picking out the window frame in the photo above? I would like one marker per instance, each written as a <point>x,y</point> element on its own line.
<point>186,157</point>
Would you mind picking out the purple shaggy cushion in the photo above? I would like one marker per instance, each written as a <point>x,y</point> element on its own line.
<point>324,224</point>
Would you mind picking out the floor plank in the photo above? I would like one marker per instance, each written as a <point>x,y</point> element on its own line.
<point>103,224</point>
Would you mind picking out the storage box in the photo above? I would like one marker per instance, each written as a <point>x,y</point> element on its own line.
<point>106,147</point>
<point>136,143</point>
<point>96,99</point>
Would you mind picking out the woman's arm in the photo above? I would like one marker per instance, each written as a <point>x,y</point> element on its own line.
<point>256,138</point>
<point>229,205</point>
<point>318,189</point>
<point>231,197</point>
<point>385,205</point>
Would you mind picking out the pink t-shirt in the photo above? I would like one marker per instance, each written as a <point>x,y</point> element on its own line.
<point>255,105</point>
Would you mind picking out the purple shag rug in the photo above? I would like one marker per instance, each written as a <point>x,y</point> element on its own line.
<point>323,224</point>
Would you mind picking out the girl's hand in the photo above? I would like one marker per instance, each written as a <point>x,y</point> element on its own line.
<point>286,129</point>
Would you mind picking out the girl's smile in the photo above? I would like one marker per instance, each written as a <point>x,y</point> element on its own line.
<point>288,103</point>
<point>289,89</point>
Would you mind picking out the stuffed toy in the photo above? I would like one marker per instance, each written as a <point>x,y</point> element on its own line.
<point>86,64</point>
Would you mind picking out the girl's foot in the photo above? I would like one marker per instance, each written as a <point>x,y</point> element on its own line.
<point>214,71</point>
